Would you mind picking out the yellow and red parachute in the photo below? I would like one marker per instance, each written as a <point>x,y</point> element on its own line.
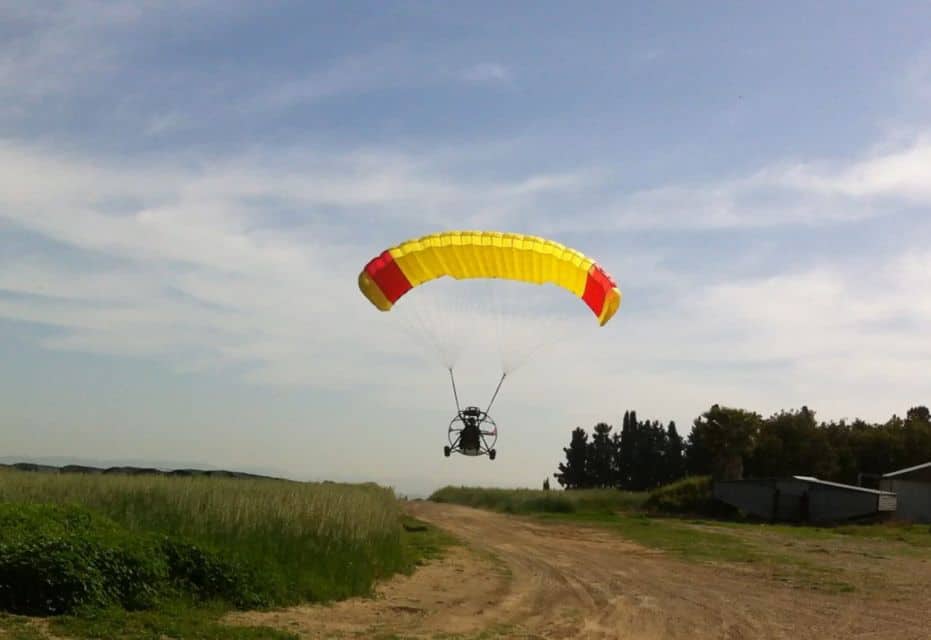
<point>488,254</point>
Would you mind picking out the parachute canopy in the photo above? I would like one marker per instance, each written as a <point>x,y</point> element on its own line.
<point>488,254</point>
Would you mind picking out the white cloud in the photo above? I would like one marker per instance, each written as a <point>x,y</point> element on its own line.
<point>902,175</point>
<point>199,269</point>
<point>250,263</point>
<point>60,45</point>
<point>246,263</point>
<point>837,330</point>
<point>806,194</point>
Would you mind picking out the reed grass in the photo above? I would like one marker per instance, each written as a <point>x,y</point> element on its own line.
<point>304,541</point>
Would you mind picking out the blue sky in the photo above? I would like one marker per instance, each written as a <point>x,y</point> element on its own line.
<point>188,190</point>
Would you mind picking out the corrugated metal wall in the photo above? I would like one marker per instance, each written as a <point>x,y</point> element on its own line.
<point>755,498</point>
<point>914,498</point>
<point>796,500</point>
<point>830,504</point>
<point>790,500</point>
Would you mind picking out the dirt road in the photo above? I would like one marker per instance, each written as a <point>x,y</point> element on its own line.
<point>517,578</point>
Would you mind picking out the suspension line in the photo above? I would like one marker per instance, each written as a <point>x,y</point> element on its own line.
<point>452,379</point>
<point>497,389</point>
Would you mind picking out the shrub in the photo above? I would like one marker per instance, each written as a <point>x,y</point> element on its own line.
<point>207,575</point>
<point>691,495</point>
<point>548,504</point>
<point>55,559</point>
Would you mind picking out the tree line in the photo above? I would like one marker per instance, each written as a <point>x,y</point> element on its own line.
<point>731,443</point>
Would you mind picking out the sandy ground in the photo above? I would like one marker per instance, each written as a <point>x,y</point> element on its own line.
<point>517,578</point>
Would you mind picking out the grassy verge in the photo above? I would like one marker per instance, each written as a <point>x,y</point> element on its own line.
<point>421,542</point>
<point>182,619</point>
<point>19,628</point>
<point>528,501</point>
<point>170,620</point>
<point>150,557</point>
<point>667,534</point>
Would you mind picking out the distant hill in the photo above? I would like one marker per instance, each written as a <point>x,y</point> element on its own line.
<point>105,463</point>
<point>131,471</point>
<point>76,464</point>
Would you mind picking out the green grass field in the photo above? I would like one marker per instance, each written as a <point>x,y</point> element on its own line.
<point>154,554</point>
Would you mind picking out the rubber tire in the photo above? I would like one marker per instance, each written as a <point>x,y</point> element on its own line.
<point>492,454</point>
<point>446,451</point>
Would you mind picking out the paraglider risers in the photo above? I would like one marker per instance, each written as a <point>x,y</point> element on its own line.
<point>472,433</point>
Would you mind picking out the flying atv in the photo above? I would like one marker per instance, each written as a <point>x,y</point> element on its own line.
<point>488,255</point>
<point>472,433</point>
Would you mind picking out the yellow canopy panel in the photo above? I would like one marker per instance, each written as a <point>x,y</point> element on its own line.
<point>487,254</point>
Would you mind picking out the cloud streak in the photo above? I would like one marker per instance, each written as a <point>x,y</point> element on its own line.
<point>807,194</point>
<point>58,47</point>
<point>236,263</point>
<point>228,233</point>
<point>202,272</point>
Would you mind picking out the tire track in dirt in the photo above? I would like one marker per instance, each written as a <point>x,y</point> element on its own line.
<point>518,578</point>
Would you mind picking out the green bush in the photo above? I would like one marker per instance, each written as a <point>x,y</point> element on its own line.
<point>687,496</point>
<point>55,559</point>
<point>46,577</point>
<point>208,576</point>
<point>548,504</point>
<point>58,559</point>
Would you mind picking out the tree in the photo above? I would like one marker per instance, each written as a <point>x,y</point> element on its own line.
<point>875,447</point>
<point>917,436</point>
<point>600,457</point>
<point>839,435</point>
<point>731,443</point>
<point>673,459</point>
<point>573,474</point>
<point>720,440</point>
<point>792,443</point>
<point>625,453</point>
<point>546,484</point>
<point>650,450</point>
<point>918,414</point>
<point>616,460</point>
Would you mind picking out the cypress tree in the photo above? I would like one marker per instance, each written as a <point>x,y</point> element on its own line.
<point>573,474</point>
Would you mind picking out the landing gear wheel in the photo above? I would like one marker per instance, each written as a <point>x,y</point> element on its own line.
<point>446,451</point>
<point>492,454</point>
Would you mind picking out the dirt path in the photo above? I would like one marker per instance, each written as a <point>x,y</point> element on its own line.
<point>521,579</point>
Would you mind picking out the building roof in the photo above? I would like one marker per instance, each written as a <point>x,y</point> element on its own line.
<point>902,472</point>
<point>837,485</point>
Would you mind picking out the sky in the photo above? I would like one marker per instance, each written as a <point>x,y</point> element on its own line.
<point>188,191</point>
